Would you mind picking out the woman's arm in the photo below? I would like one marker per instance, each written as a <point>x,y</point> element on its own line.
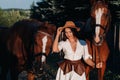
<point>88,58</point>
<point>92,64</point>
<point>55,43</point>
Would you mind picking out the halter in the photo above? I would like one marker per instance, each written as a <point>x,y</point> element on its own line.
<point>44,33</point>
<point>101,36</point>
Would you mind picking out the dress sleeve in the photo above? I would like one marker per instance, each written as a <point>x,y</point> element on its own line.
<point>86,54</point>
<point>60,45</point>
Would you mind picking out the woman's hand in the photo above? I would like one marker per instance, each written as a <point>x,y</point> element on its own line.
<point>59,30</point>
<point>92,64</point>
<point>99,65</point>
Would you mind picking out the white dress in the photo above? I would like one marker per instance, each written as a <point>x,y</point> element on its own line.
<point>81,51</point>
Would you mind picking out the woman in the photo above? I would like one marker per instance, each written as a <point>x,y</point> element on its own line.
<point>72,68</point>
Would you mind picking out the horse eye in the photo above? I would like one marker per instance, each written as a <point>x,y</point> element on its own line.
<point>105,15</point>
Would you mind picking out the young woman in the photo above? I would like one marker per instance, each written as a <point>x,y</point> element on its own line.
<point>72,68</point>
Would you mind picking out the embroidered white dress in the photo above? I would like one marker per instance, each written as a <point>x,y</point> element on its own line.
<point>81,51</point>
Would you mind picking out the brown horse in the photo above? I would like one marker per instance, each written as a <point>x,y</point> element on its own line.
<point>29,42</point>
<point>96,39</point>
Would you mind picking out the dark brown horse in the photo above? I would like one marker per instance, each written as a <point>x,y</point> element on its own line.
<point>29,41</point>
<point>4,55</point>
<point>96,39</point>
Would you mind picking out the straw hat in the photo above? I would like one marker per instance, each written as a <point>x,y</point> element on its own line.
<point>71,24</point>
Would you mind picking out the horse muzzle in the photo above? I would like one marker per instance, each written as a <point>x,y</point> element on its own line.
<point>100,42</point>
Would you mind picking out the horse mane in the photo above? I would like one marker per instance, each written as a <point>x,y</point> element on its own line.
<point>48,28</point>
<point>24,29</point>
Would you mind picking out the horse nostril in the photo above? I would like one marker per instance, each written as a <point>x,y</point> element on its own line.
<point>98,40</point>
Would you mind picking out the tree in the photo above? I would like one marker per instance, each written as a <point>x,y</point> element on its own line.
<point>58,11</point>
<point>9,17</point>
<point>1,17</point>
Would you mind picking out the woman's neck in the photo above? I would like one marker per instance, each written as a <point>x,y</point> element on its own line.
<point>74,39</point>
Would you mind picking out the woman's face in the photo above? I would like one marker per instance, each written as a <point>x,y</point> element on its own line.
<point>68,33</point>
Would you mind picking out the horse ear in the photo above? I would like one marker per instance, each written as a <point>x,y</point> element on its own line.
<point>92,2</point>
<point>104,1</point>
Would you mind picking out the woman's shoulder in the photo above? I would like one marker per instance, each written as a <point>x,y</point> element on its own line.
<point>63,42</point>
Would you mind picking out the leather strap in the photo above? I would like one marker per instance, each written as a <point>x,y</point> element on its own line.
<point>66,66</point>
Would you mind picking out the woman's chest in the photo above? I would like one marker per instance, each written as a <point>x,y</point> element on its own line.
<point>69,51</point>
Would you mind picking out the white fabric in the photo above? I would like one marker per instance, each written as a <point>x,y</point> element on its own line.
<point>81,51</point>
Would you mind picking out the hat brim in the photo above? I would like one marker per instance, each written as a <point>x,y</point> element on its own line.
<point>78,29</point>
<point>71,24</point>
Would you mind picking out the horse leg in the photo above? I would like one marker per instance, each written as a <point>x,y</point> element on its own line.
<point>101,72</point>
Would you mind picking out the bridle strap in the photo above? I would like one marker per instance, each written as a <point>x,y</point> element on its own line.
<point>98,25</point>
<point>44,33</point>
<point>39,54</point>
<point>104,28</point>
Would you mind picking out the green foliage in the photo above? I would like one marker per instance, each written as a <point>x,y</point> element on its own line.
<point>109,75</point>
<point>58,11</point>
<point>9,17</point>
<point>1,16</point>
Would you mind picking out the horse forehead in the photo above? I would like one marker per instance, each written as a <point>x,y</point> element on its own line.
<point>106,10</point>
<point>40,37</point>
<point>44,39</point>
<point>98,5</point>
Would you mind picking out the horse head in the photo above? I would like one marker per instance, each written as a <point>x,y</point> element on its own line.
<point>100,21</point>
<point>44,38</point>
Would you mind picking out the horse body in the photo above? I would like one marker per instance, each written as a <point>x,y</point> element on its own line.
<point>99,54</point>
<point>28,41</point>
<point>96,40</point>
